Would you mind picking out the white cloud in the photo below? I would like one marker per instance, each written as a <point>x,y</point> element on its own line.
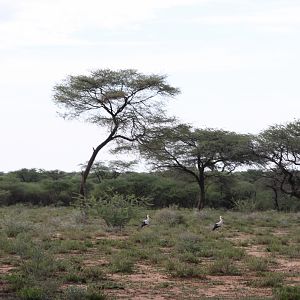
<point>57,21</point>
<point>283,19</point>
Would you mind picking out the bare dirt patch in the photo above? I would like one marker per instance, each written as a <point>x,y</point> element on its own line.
<point>256,250</point>
<point>151,283</point>
<point>5,268</point>
<point>233,287</point>
<point>112,237</point>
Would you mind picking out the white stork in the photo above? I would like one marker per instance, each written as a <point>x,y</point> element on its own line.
<point>218,224</point>
<point>146,222</point>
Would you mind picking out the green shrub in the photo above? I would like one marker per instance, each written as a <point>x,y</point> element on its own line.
<point>82,293</point>
<point>31,293</point>
<point>116,210</point>
<point>40,265</point>
<point>245,205</point>
<point>17,280</point>
<point>169,217</point>
<point>75,293</point>
<point>257,264</point>
<point>223,267</point>
<point>122,263</point>
<point>74,277</point>
<point>287,293</point>
<point>184,270</point>
<point>93,273</point>
<point>65,246</point>
<point>13,227</point>
<point>269,279</point>
<point>230,253</point>
<point>188,242</point>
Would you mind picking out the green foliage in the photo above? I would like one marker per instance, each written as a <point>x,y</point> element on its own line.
<point>116,210</point>
<point>278,150</point>
<point>169,217</point>
<point>14,227</point>
<point>223,267</point>
<point>122,263</point>
<point>269,279</point>
<point>189,242</point>
<point>287,293</point>
<point>153,189</point>
<point>257,264</point>
<point>81,293</point>
<point>37,187</point>
<point>183,270</point>
<point>198,153</point>
<point>245,205</point>
<point>31,293</point>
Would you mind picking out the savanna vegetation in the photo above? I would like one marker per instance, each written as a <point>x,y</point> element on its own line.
<point>76,235</point>
<point>49,253</point>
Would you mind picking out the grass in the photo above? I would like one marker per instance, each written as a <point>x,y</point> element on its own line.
<point>268,279</point>
<point>51,254</point>
<point>257,264</point>
<point>287,293</point>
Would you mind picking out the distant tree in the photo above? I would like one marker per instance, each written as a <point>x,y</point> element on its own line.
<point>125,102</point>
<point>53,174</point>
<point>278,149</point>
<point>27,175</point>
<point>111,169</point>
<point>198,152</point>
<point>160,191</point>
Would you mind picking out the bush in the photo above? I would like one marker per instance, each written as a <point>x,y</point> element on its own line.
<point>245,205</point>
<point>257,264</point>
<point>13,228</point>
<point>31,293</point>
<point>269,279</point>
<point>287,293</point>
<point>117,210</point>
<point>189,242</point>
<point>184,270</point>
<point>79,293</point>
<point>122,263</point>
<point>223,267</point>
<point>169,217</point>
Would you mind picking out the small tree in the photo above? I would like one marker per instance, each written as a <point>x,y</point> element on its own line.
<point>198,152</point>
<point>124,102</point>
<point>278,150</point>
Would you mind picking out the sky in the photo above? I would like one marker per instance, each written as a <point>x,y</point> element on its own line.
<point>236,63</point>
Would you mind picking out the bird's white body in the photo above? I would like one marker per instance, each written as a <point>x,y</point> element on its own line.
<point>146,221</point>
<point>218,224</point>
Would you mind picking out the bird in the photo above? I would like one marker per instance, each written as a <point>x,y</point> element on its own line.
<point>146,222</point>
<point>218,224</point>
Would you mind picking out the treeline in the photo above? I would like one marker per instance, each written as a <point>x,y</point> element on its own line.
<point>190,168</point>
<point>132,107</point>
<point>247,190</point>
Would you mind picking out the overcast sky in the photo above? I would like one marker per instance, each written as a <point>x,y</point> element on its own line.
<point>236,62</point>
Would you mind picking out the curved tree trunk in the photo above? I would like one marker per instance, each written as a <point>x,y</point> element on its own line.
<point>86,172</point>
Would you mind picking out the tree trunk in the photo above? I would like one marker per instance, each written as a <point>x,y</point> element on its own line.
<point>86,172</point>
<point>201,199</point>
<point>276,198</point>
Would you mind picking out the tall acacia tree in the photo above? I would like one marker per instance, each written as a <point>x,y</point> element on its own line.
<point>278,150</point>
<point>125,102</point>
<point>198,152</point>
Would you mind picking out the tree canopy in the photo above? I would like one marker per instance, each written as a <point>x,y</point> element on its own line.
<point>125,102</point>
<point>198,152</point>
<point>278,148</point>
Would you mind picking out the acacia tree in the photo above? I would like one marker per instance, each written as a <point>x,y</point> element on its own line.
<point>198,152</point>
<point>278,150</point>
<point>124,102</point>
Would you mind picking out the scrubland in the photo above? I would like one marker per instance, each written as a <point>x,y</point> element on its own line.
<point>50,253</point>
